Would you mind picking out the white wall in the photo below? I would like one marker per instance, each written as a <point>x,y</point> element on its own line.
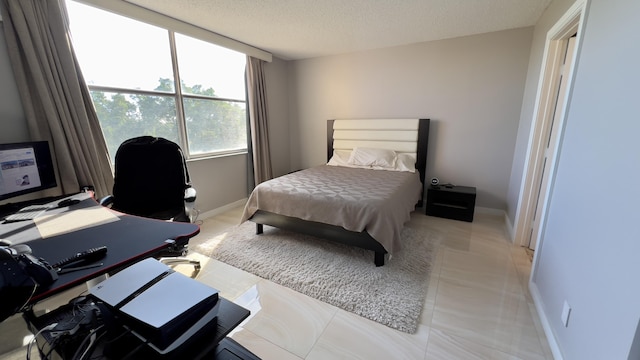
<point>219,181</point>
<point>589,252</point>
<point>471,87</point>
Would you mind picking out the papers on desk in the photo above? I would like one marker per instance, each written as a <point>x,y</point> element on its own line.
<point>69,221</point>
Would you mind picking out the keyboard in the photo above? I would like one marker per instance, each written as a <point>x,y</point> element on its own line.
<point>28,213</point>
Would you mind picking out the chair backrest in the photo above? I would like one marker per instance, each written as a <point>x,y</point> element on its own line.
<point>150,178</point>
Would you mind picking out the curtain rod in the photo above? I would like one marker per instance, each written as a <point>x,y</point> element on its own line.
<point>154,18</point>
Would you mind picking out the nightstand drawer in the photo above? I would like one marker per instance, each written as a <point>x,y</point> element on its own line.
<point>454,202</point>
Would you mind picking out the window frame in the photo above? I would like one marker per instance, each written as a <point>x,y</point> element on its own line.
<point>179,98</point>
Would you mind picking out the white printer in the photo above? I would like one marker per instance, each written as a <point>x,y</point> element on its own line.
<point>157,304</point>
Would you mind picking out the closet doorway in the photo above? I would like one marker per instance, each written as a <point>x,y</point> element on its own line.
<point>550,110</point>
<point>551,133</point>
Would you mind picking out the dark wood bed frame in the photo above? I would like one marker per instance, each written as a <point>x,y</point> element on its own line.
<point>338,233</point>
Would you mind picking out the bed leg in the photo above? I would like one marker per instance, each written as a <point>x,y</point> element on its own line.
<point>258,229</point>
<point>378,258</point>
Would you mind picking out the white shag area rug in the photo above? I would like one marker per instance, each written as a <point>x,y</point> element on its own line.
<point>344,276</point>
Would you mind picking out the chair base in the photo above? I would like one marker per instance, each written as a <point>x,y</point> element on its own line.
<point>180,260</point>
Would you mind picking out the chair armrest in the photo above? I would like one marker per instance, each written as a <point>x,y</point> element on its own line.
<point>106,200</point>
<point>190,195</point>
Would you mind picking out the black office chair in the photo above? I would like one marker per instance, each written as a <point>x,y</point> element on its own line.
<point>151,180</point>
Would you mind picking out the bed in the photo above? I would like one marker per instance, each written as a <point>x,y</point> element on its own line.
<point>363,195</point>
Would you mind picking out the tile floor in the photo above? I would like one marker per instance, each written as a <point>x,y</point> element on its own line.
<point>477,306</point>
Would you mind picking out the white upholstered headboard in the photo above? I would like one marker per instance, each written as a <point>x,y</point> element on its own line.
<point>400,135</point>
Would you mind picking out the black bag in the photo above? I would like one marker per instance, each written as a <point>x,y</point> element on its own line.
<point>16,286</point>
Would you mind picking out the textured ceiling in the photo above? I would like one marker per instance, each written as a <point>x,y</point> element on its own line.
<point>298,29</point>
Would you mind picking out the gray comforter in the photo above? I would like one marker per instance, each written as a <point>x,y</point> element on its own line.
<point>377,201</point>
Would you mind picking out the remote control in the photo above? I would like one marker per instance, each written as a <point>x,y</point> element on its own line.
<point>86,256</point>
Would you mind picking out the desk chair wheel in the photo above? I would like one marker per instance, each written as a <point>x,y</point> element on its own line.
<point>177,254</point>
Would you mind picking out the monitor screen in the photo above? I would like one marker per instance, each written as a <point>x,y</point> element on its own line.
<point>25,168</point>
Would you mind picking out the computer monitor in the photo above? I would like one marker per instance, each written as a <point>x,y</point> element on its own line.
<point>25,168</point>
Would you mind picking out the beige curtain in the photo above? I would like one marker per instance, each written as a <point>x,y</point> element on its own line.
<point>56,100</point>
<point>257,96</point>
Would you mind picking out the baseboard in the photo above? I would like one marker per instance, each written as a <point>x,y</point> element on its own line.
<point>489,211</point>
<point>511,235</point>
<point>222,209</point>
<point>544,321</point>
<point>508,230</point>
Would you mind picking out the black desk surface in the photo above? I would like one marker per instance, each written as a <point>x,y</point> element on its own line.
<point>128,240</point>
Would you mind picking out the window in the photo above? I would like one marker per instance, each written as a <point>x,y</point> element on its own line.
<point>145,80</point>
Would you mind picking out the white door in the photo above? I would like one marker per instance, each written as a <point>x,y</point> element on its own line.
<point>553,130</point>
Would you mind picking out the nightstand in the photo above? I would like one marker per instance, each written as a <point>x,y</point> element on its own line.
<point>451,202</point>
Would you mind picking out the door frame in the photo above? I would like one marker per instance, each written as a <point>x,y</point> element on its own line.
<point>551,130</point>
<point>570,23</point>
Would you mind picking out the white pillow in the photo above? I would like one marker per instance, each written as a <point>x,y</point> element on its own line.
<point>373,157</point>
<point>340,158</point>
<point>405,162</point>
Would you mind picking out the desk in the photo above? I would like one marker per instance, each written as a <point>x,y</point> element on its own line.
<point>128,239</point>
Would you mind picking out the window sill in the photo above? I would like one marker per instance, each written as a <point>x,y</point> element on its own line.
<point>217,156</point>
